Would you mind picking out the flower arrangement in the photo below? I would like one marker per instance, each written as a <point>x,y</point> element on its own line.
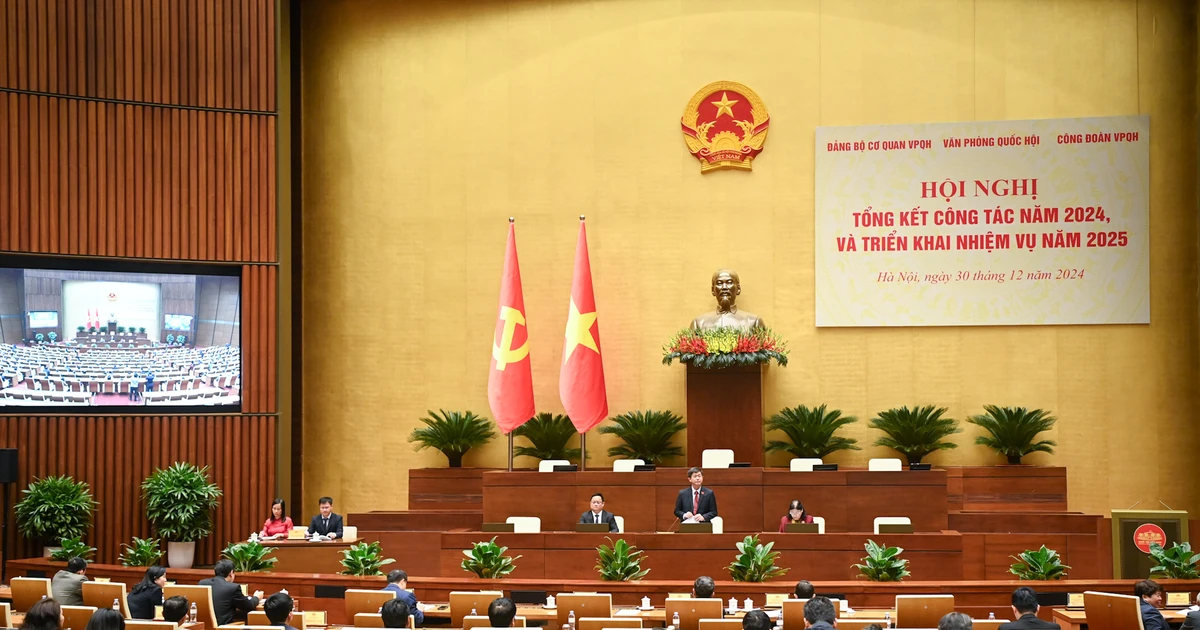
<point>725,347</point>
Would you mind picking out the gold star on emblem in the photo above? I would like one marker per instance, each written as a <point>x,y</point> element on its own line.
<point>724,106</point>
<point>579,331</point>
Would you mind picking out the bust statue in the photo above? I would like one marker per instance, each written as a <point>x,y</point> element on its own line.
<point>726,287</point>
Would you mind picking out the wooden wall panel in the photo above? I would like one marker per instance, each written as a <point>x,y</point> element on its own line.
<point>114,455</point>
<point>114,179</point>
<point>259,332</point>
<point>202,53</point>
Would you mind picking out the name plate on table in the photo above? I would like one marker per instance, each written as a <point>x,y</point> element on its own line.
<point>315,618</point>
<point>775,600</point>
<point>1074,600</point>
<point>297,533</point>
<point>895,528</point>
<point>499,527</point>
<point>592,527</point>
<point>695,528</point>
<point>1179,600</point>
<point>806,528</point>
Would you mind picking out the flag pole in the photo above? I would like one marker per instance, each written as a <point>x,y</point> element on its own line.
<point>510,450</point>
<point>582,451</point>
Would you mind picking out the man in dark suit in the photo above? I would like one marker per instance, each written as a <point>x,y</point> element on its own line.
<point>696,501</point>
<point>398,584</point>
<point>598,515</point>
<point>1192,621</point>
<point>1025,607</point>
<point>279,610</point>
<point>326,523</point>
<point>229,604</point>
<point>1151,595</point>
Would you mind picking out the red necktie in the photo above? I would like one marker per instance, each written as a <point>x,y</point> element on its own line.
<point>695,501</point>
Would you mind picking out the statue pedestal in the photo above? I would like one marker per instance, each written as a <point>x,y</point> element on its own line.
<point>725,410</point>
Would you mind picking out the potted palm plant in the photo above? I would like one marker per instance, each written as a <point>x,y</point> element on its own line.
<point>1013,431</point>
<point>53,508</point>
<point>915,432</point>
<point>810,432</point>
<point>549,435</point>
<point>453,433</point>
<point>179,504</point>
<point>645,435</point>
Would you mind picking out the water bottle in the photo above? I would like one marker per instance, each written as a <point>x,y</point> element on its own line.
<point>571,620</point>
<point>887,619</point>
<point>473,613</point>
<point>675,619</point>
<point>192,613</point>
<point>991,616</point>
<point>116,604</point>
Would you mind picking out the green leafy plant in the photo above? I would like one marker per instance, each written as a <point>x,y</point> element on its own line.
<point>755,562</point>
<point>249,557</point>
<point>646,435</point>
<point>620,563</point>
<point>40,337</point>
<point>80,328</point>
<point>73,548</point>
<point>810,432</point>
<point>915,432</point>
<point>180,501</point>
<point>142,553</point>
<point>882,564</point>
<point>549,434</point>
<point>141,329</point>
<point>1177,562</point>
<point>1013,431</point>
<point>453,433</point>
<point>55,507</point>
<point>1040,564</point>
<point>487,560</point>
<point>120,329</point>
<point>91,329</point>
<point>725,347</point>
<point>364,559</point>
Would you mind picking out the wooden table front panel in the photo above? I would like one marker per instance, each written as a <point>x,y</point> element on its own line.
<point>307,557</point>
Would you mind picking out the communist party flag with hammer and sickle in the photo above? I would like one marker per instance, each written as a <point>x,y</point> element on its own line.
<point>581,380</point>
<point>510,381</point>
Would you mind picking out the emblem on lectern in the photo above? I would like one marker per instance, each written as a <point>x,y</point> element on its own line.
<point>725,126</point>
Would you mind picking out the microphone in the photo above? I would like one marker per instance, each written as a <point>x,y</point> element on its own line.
<point>671,529</point>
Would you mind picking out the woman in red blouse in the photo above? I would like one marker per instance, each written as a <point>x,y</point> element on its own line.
<point>278,525</point>
<point>796,514</point>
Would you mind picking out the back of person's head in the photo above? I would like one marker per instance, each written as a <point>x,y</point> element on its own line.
<point>804,590</point>
<point>106,619</point>
<point>1146,588</point>
<point>703,587</point>
<point>756,620</point>
<point>43,615</point>
<point>278,607</point>
<point>1024,600</point>
<point>175,609</point>
<point>397,576</point>
<point>872,626</point>
<point>955,621</point>
<point>395,614</point>
<point>223,567</point>
<point>819,608</point>
<point>76,564</point>
<point>501,612</point>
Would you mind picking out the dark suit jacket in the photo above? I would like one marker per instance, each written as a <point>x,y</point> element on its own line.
<point>229,604</point>
<point>409,600</point>
<point>1191,621</point>
<point>605,517</point>
<point>708,503</point>
<point>335,525</point>
<point>142,603</point>
<point>1152,619</point>
<point>1029,621</point>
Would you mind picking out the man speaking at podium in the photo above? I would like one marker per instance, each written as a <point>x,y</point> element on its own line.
<point>696,504</point>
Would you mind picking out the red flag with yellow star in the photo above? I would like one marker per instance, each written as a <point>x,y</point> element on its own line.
<point>510,381</point>
<point>581,381</point>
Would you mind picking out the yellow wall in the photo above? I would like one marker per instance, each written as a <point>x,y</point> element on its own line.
<point>426,126</point>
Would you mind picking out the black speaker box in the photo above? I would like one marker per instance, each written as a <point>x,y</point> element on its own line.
<point>8,465</point>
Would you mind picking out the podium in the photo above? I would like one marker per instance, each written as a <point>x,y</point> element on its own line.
<point>725,410</point>
<point>1134,530</point>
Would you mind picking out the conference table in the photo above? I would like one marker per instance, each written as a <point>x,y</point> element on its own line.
<point>1076,619</point>
<point>304,556</point>
<point>657,616</point>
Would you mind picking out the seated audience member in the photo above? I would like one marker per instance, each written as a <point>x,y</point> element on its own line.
<point>1025,607</point>
<point>501,612</point>
<point>872,626</point>
<point>147,594</point>
<point>67,585</point>
<point>106,619</point>
<point>955,621</point>
<point>757,620</point>
<point>804,590</point>
<point>398,584</point>
<point>1192,620</point>
<point>703,587</point>
<point>44,615</point>
<point>176,609</point>
<point>1152,597</point>
<point>279,610</point>
<point>598,515</point>
<point>326,523</point>
<point>796,514</point>
<point>229,604</point>
<point>395,614</point>
<point>819,613</point>
<point>278,524</point>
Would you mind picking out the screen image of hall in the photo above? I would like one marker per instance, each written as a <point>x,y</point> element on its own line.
<point>99,338</point>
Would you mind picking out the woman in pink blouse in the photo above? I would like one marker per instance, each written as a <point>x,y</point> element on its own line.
<point>796,514</point>
<point>278,525</point>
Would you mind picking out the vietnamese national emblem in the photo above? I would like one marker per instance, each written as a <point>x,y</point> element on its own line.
<point>725,126</point>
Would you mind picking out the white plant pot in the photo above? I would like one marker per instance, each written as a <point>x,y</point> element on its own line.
<point>49,551</point>
<point>181,555</point>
